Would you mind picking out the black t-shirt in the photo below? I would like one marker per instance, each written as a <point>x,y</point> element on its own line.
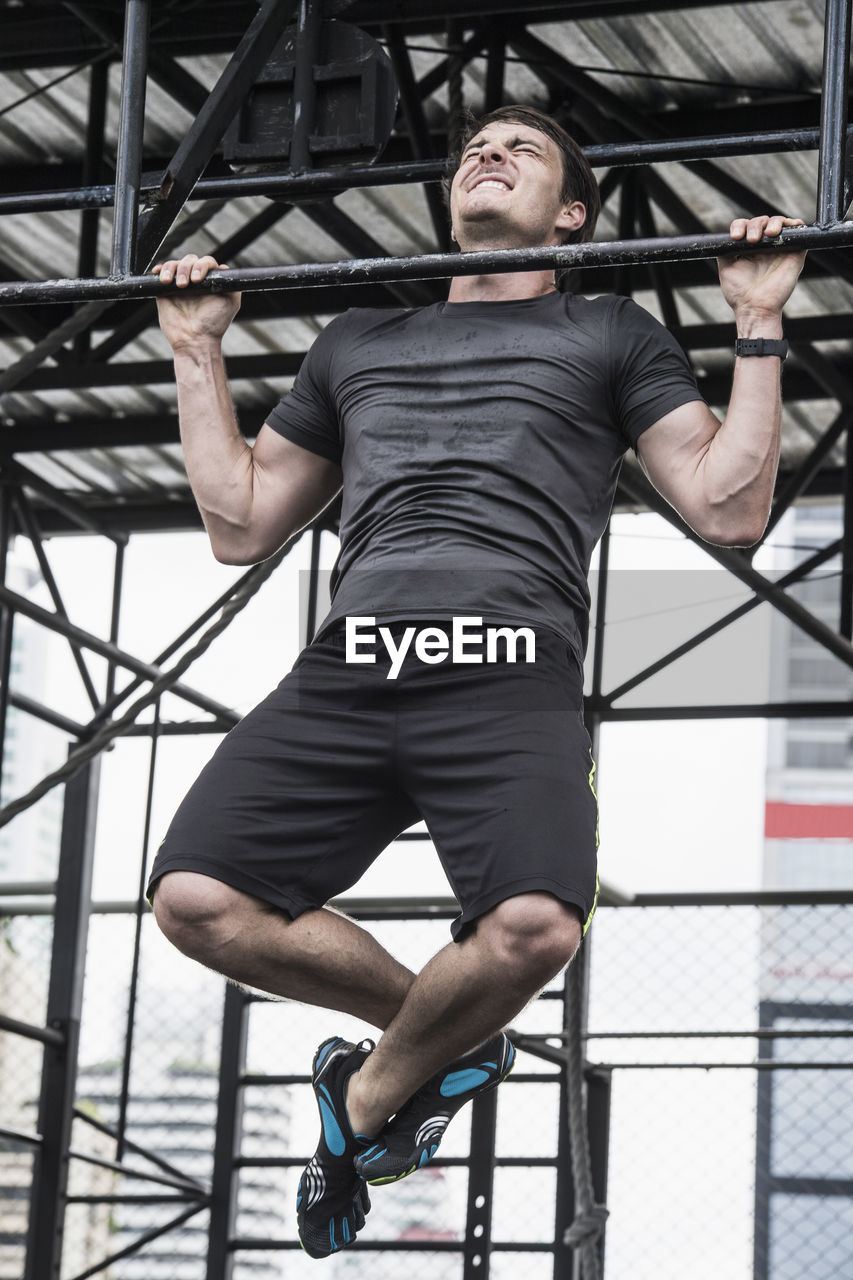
<point>480,444</point>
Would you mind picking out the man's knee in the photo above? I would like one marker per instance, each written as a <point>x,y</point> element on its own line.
<point>192,910</point>
<point>533,933</point>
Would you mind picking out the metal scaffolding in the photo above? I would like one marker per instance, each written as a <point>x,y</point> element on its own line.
<point>145,211</point>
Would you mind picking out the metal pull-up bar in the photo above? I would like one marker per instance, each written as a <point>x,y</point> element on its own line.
<point>432,266</point>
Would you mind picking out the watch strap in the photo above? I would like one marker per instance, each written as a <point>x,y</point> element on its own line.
<point>761,347</point>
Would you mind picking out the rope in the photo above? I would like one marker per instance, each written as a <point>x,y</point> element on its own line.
<point>87,750</point>
<point>590,1217</point>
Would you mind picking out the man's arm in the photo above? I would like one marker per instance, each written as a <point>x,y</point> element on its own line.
<point>719,476</point>
<point>251,499</point>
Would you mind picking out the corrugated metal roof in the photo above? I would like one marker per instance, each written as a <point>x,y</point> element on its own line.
<point>665,69</point>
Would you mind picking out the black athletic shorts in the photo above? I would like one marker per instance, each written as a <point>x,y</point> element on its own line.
<point>307,790</point>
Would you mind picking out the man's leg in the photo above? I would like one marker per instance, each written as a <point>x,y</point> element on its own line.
<point>321,958</point>
<point>465,994</point>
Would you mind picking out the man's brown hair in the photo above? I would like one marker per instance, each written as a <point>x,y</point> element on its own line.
<point>578,179</point>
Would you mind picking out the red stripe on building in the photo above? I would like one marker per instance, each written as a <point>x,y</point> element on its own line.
<point>807,821</point>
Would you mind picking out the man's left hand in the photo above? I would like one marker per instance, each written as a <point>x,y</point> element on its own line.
<point>759,283</point>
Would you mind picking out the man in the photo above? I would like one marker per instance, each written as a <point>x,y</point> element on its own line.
<point>478,442</point>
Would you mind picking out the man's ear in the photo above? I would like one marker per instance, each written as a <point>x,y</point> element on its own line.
<point>572,216</point>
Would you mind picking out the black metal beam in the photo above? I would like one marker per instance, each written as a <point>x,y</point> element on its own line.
<point>737,563</point>
<point>54,38</point>
<point>142,317</point>
<point>606,107</point>
<point>431,15</point>
<point>797,483</point>
<point>55,622</point>
<point>41,198</point>
<point>309,19</point>
<point>598,702</point>
<point>130,126</point>
<point>170,75</point>
<point>93,171</point>
<point>195,150</point>
<point>140,373</point>
<point>493,96</point>
<point>48,714</point>
<point>352,238</point>
<point>418,131</point>
<point>29,525</point>
<point>64,1007</point>
<point>229,1115</point>
<point>179,512</point>
<point>833,114</point>
<point>78,516</point>
<point>38,435</point>
<point>478,1219</point>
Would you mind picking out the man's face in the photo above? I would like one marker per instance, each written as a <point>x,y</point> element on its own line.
<point>506,191</point>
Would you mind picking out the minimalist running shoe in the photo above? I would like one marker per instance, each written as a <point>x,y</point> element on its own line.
<point>332,1201</point>
<point>411,1138</point>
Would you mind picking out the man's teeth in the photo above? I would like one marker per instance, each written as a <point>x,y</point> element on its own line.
<point>490,182</point>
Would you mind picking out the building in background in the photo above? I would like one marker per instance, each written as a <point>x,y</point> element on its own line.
<point>804,1153</point>
<point>174,1118</point>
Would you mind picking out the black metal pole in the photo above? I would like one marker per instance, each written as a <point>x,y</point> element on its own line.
<point>309,24</point>
<point>706,633</point>
<point>495,65</point>
<point>115,619</point>
<point>200,141</point>
<point>64,1005</point>
<point>417,127</point>
<point>833,111</point>
<point>739,566</point>
<point>481,1173</point>
<point>93,171</point>
<point>130,126</point>
<point>116,699</point>
<point>763,1140</point>
<point>55,623</point>
<point>433,266</point>
<point>329,181</point>
<point>564,1199</point>
<point>30,524</point>
<point>229,1113</point>
<point>47,1035</point>
<point>133,986</point>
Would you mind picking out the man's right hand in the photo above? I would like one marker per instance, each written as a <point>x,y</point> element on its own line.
<point>199,318</point>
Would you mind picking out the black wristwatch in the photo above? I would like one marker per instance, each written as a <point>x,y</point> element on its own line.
<point>761,347</point>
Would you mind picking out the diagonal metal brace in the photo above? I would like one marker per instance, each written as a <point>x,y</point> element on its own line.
<point>194,152</point>
<point>638,488</point>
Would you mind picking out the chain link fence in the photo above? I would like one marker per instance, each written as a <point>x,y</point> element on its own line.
<point>24,973</point>
<point>726,1032</point>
